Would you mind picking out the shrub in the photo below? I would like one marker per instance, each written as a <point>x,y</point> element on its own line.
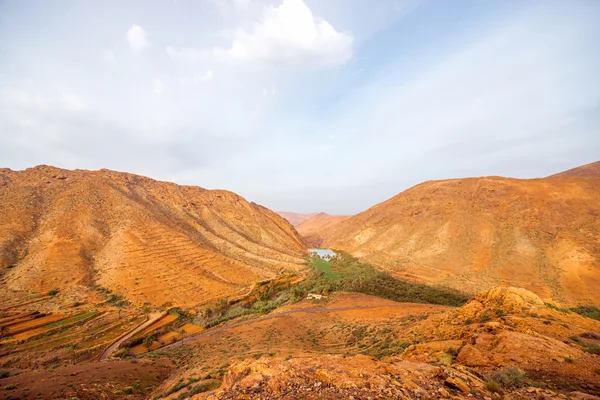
<point>597,370</point>
<point>590,335</point>
<point>592,312</point>
<point>589,347</point>
<point>445,359</point>
<point>53,292</point>
<point>122,353</point>
<point>569,359</point>
<point>128,390</point>
<point>4,374</point>
<point>453,351</point>
<point>508,377</point>
<point>76,304</point>
<point>493,387</point>
<point>9,266</point>
<point>484,317</point>
<point>10,386</point>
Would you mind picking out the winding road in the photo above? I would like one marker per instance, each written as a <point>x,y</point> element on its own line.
<point>111,349</point>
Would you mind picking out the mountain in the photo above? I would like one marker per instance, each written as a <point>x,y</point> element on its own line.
<point>295,218</point>
<point>311,229</point>
<point>588,170</point>
<point>476,233</point>
<point>149,241</point>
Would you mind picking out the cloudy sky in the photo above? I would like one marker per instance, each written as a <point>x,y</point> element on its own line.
<point>301,105</point>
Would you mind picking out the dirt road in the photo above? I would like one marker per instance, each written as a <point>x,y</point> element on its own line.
<point>152,318</point>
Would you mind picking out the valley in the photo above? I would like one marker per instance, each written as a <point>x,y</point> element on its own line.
<point>125,287</point>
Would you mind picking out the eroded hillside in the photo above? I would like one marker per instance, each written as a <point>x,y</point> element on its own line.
<point>476,233</point>
<point>149,241</point>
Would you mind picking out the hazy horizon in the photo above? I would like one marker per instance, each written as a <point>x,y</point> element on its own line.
<point>301,106</point>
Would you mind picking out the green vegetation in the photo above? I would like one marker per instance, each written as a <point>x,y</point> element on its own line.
<point>569,359</point>
<point>508,377</point>
<point>345,273</point>
<point>4,374</point>
<point>70,320</point>
<point>592,312</point>
<point>494,387</point>
<point>128,390</point>
<point>9,266</point>
<point>340,273</point>
<point>484,318</point>
<point>597,370</point>
<point>53,292</point>
<point>117,300</point>
<point>555,307</point>
<point>589,347</point>
<point>10,386</point>
<point>325,268</point>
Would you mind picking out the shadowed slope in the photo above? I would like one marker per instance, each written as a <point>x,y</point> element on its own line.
<point>151,241</point>
<point>472,234</point>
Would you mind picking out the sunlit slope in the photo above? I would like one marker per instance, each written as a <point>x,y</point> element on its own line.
<point>311,229</point>
<point>472,234</point>
<point>150,241</point>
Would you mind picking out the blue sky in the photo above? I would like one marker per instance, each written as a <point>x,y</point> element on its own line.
<point>301,105</point>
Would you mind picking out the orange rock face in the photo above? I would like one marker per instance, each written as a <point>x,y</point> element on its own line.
<point>149,241</point>
<point>477,233</point>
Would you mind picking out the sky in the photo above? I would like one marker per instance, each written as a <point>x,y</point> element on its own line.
<point>301,105</point>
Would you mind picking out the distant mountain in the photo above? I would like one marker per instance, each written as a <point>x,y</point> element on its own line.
<point>588,170</point>
<point>295,218</point>
<point>476,233</point>
<point>311,229</point>
<point>146,240</point>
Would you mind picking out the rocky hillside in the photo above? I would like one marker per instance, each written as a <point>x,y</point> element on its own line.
<point>311,229</point>
<point>149,241</point>
<point>476,233</point>
<point>504,343</point>
<point>295,218</point>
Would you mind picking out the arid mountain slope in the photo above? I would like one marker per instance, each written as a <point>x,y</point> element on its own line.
<point>311,229</point>
<point>295,218</point>
<point>472,234</point>
<point>149,241</point>
<point>588,170</point>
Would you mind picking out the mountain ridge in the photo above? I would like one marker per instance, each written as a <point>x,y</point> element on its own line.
<point>475,233</point>
<point>106,225</point>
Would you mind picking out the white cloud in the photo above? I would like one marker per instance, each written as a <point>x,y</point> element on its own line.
<point>137,38</point>
<point>158,87</point>
<point>197,79</point>
<point>34,98</point>
<point>288,35</point>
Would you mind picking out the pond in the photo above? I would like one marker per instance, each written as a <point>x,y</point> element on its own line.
<point>322,252</point>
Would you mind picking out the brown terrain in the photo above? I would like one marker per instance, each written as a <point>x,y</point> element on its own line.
<point>311,229</point>
<point>356,345</point>
<point>295,218</point>
<point>476,233</point>
<point>176,292</point>
<point>148,241</point>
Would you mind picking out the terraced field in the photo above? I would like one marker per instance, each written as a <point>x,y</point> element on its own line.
<point>35,340</point>
<point>195,275</point>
